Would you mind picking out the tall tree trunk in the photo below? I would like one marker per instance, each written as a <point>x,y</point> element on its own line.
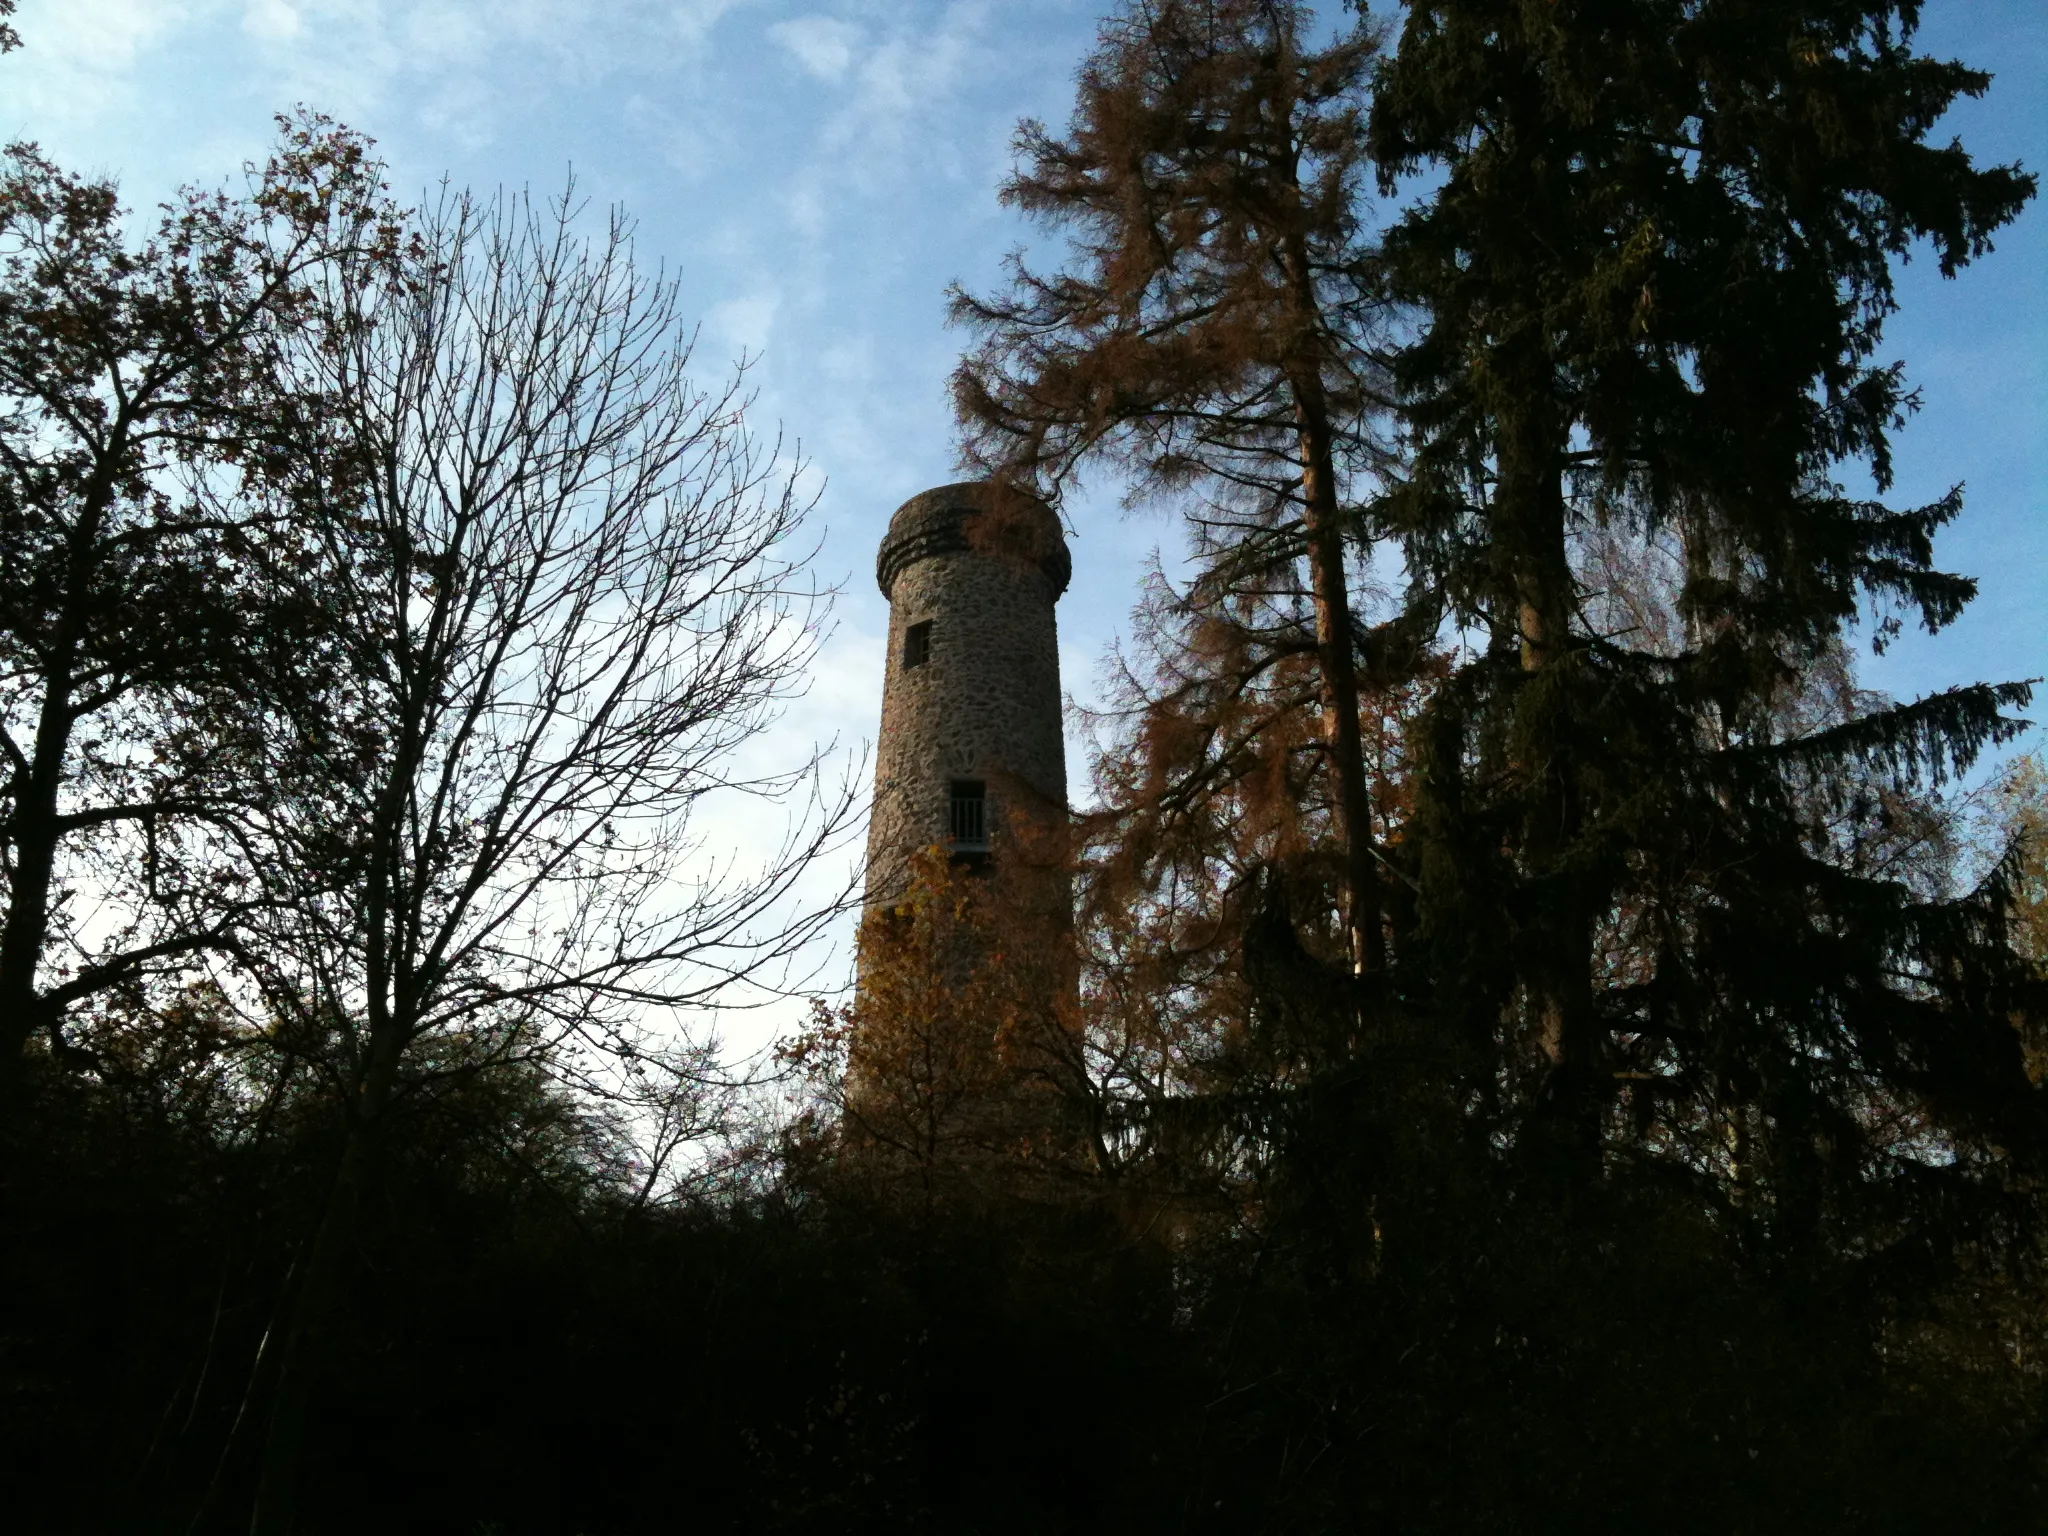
<point>324,1280</point>
<point>36,827</point>
<point>1529,517</point>
<point>389,1013</point>
<point>1351,806</point>
<point>35,835</point>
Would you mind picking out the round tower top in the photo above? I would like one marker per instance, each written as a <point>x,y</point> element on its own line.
<point>989,517</point>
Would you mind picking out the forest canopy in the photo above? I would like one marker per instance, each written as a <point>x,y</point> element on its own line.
<point>1538,1041</point>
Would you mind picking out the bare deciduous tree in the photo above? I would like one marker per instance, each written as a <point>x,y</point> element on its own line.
<point>569,599</point>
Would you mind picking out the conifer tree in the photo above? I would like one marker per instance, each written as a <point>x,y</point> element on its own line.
<point>1211,331</point>
<point>1205,911</point>
<point>1649,289</point>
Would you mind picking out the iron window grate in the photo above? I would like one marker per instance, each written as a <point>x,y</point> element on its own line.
<point>917,645</point>
<point>968,819</point>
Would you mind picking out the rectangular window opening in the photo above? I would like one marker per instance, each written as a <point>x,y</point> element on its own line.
<point>917,645</point>
<point>968,819</point>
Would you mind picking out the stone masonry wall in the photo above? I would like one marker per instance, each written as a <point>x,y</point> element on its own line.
<point>985,574</point>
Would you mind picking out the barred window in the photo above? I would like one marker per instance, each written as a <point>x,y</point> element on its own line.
<point>968,822</point>
<point>917,645</point>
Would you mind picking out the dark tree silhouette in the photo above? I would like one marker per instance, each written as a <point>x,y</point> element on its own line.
<point>153,616</point>
<point>1648,292</point>
<point>1677,1168</point>
<point>567,598</point>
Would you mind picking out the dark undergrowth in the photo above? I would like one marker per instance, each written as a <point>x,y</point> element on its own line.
<point>526,1351</point>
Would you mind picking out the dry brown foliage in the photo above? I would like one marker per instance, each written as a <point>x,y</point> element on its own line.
<point>951,1076</point>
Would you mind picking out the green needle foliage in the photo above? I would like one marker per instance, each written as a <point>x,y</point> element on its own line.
<point>1649,290</point>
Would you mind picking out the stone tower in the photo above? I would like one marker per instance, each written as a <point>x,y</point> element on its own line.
<point>971,755</point>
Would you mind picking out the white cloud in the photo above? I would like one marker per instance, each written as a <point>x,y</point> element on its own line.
<point>462,69</point>
<point>97,34</point>
<point>463,108</point>
<point>272,19</point>
<point>77,54</point>
<point>692,20</point>
<point>449,33</point>
<point>687,137</point>
<point>804,203</point>
<point>743,324</point>
<point>904,87</point>
<point>887,128</point>
<point>459,68</point>
<point>823,45</point>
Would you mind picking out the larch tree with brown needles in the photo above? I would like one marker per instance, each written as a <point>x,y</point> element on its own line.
<point>1210,332</point>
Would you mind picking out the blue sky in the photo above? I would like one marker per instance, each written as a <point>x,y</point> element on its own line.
<point>817,172</point>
